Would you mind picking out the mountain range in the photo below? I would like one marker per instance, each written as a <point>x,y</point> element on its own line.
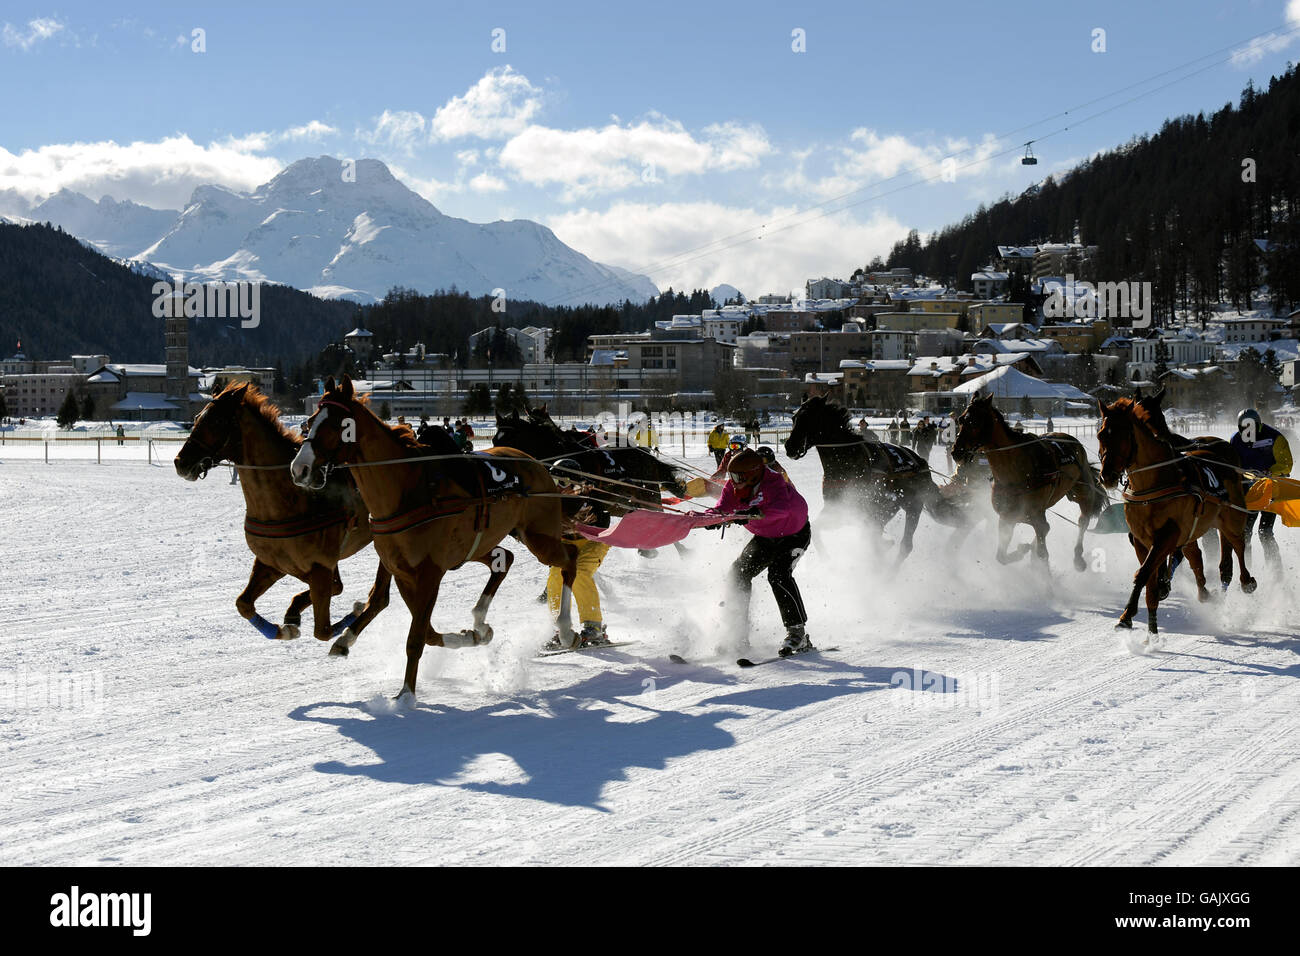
<point>338,230</point>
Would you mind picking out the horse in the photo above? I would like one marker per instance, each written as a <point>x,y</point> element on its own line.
<point>879,478</point>
<point>1030,474</point>
<point>436,515</point>
<point>1171,501</point>
<point>301,534</point>
<point>624,478</point>
<point>1213,450</point>
<point>627,471</point>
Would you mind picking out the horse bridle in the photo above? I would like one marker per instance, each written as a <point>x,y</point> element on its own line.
<point>326,467</point>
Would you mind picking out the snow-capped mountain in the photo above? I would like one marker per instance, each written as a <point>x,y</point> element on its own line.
<point>722,293</point>
<point>318,227</point>
<point>117,229</point>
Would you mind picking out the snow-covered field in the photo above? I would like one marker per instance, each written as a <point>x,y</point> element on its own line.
<point>974,714</point>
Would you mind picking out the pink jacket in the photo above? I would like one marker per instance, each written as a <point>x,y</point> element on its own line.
<point>783,509</point>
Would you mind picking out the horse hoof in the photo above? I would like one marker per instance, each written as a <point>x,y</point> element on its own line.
<point>339,650</point>
<point>647,553</point>
<point>483,634</point>
<point>288,632</point>
<point>1249,584</point>
<point>1162,591</point>
<point>1124,623</point>
<point>406,698</point>
<point>1202,595</point>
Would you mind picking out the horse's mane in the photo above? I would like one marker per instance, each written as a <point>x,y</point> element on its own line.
<point>838,414</point>
<point>1143,415</point>
<point>262,405</point>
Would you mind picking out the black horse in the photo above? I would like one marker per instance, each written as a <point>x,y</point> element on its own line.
<point>876,478</point>
<point>632,477</point>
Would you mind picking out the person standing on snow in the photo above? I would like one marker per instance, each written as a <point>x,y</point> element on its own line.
<point>578,505</point>
<point>1264,449</point>
<point>718,443</point>
<point>777,517</point>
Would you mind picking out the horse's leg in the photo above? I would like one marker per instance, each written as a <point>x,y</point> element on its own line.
<point>1085,515</point>
<point>1165,540</point>
<point>375,603</point>
<point>911,517</point>
<point>1006,528</point>
<point>322,581</point>
<point>262,577</point>
<point>554,552</point>
<point>293,616</point>
<point>1039,523</point>
<point>1237,541</point>
<point>420,592</point>
<point>1197,563</point>
<point>497,561</point>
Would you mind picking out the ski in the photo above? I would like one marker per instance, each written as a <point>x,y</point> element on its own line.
<point>592,647</point>
<point>678,659</point>
<point>746,662</point>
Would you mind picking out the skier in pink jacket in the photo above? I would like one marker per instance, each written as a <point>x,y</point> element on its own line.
<point>777,516</point>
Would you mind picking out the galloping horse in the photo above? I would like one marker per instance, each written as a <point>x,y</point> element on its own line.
<point>437,515</point>
<point>1172,500</point>
<point>627,472</point>
<point>1030,474</point>
<point>623,477</point>
<point>1214,450</point>
<point>879,478</point>
<point>289,531</point>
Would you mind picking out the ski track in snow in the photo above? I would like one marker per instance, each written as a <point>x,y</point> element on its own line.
<point>212,745</point>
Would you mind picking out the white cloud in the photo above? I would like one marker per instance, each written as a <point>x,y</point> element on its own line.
<point>1260,47</point>
<point>615,157</point>
<point>311,131</point>
<point>487,183</point>
<point>874,159</point>
<point>400,129</point>
<point>39,29</point>
<point>500,104</point>
<point>160,174</point>
<point>653,239</point>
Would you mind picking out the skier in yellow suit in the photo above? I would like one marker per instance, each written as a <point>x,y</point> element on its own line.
<point>580,507</point>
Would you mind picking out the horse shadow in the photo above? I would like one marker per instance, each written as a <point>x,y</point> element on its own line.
<point>561,746</point>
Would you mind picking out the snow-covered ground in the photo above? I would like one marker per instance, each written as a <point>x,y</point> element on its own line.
<point>974,714</point>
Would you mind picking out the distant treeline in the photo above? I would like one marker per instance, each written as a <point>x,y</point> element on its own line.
<point>1181,209</point>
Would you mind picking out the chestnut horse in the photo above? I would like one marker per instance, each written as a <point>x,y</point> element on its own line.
<point>289,531</point>
<point>1030,474</point>
<point>1171,501</point>
<point>430,517</point>
<point>1225,462</point>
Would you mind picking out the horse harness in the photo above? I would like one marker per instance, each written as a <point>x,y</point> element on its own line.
<point>1197,480</point>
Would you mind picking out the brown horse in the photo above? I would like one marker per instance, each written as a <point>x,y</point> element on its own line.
<point>1225,462</point>
<point>433,516</point>
<point>1030,474</point>
<point>1171,501</point>
<point>289,531</point>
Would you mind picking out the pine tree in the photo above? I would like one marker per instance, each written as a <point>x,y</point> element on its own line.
<point>1026,407</point>
<point>87,407</point>
<point>68,411</point>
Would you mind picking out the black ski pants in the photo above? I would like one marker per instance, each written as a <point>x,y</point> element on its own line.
<point>778,557</point>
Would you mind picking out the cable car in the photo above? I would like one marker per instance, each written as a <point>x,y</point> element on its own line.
<point>1029,159</point>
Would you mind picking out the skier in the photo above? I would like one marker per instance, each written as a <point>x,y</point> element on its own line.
<point>579,505</point>
<point>735,444</point>
<point>777,516</point>
<point>718,443</point>
<point>1264,449</point>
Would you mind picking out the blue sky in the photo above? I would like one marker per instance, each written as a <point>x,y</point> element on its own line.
<point>637,132</point>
